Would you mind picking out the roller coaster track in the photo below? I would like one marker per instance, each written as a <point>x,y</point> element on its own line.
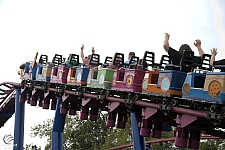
<point>195,116</point>
<point>7,101</point>
<point>7,105</point>
<point>158,141</point>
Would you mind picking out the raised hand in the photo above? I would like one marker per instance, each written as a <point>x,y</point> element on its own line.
<point>197,43</point>
<point>93,50</point>
<point>82,47</point>
<point>167,36</point>
<point>214,51</point>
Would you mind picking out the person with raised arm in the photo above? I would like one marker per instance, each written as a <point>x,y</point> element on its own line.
<point>86,59</point>
<point>175,55</point>
<point>213,61</point>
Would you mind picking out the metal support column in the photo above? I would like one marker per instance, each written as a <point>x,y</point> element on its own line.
<point>138,141</point>
<point>58,127</point>
<point>19,121</point>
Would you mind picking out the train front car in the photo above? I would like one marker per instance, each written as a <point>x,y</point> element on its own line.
<point>207,93</point>
<point>149,84</point>
<point>193,87</point>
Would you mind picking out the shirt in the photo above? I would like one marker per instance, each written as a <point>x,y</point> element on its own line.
<point>126,63</point>
<point>71,65</point>
<point>176,56</point>
<point>220,62</point>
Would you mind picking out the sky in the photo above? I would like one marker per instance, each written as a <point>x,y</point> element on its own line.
<point>61,27</point>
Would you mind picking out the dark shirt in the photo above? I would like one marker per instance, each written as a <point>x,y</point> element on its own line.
<point>176,56</point>
<point>220,62</point>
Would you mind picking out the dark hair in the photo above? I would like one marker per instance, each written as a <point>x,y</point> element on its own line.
<point>131,54</point>
<point>185,47</point>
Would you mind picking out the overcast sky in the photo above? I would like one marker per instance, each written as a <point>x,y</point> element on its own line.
<point>61,27</point>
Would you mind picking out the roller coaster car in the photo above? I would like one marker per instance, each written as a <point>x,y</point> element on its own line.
<point>99,78</point>
<point>59,73</point>
<point>118,73</point>
<point>77,75</point>
<point>150,80</point>
<point>41,74</point>
<point>171,81</point>
<point>29,72</point>
<point>129,79</point>
<point>107,62</point>
<point>213,90</point>
<point>194,83</point>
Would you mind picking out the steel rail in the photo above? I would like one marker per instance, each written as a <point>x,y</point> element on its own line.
<point>140,103</point>
<point>159,141</point>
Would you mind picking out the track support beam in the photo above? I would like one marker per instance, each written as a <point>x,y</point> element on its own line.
<point>19,121</point>
<point>58,127</point>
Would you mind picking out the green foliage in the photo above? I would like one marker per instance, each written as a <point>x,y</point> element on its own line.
<point>85,134</point>
<point>164,145</point>
<point>217,144</point>
<point>31,147</point>
<point>43,131</point>
<point>117,137</point>
<point>88,135</point>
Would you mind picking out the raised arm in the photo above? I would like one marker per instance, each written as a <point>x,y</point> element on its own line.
<point>93,50</point>
<point>166,45</point>
<point>197,43</point>
<point>82,54</point>
<point>213,53</point>
<point>82,51</point>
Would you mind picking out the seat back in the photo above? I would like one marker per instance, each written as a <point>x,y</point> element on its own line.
<point>94,60</point>
<point>148,59</point>
<point>57,60</point>
<point>43,60</point>
<point>205,62</point>
<point>107,62</point>
<point>118,60</point>
<point>133,62</point>
<point>74,59</point>
<point>187,61</point>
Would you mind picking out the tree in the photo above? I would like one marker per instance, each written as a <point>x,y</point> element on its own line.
<point>88,135</point>
<point>217,144</point>
<point>85,134</point>
<point>31,147</point>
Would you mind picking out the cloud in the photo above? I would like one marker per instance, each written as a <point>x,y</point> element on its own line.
<point>218,25</point>
<point>1,1</point>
